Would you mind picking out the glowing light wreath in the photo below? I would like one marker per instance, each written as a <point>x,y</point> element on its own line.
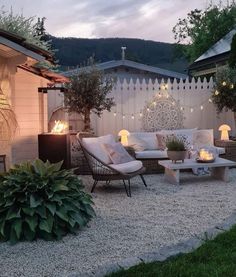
<point>163,112</point>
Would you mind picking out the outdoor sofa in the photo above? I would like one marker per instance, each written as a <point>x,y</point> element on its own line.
<point>144,146</point>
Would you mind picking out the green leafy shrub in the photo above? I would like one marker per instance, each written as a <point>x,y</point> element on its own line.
<point>175,144</point>
<point>38,200</point>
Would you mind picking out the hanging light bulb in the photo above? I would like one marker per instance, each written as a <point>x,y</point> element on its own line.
<point>181,108</point>
<point>224,83</point>
<point>210,100</point>
<point>114,114</point>
<point>148,110</point>
<point>217,92</point>
<point>232,86</point>
<point>140,114</point>
<point>201,107</point>
<point>123,116</point>
<point>132,116</point>
<point>191,110</point>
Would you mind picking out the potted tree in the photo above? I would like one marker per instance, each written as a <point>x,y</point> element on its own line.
<point>176,149</point>
<point>88,92</point>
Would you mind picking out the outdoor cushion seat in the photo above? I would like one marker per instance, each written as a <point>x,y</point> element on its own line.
<point>151,154</point>
<point>128,167</point>
<point>100,152</point>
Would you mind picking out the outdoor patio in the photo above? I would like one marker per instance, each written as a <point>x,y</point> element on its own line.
<point>162,214</point>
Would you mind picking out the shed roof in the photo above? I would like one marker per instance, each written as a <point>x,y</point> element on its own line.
<point>220,47</point>
<point>131,64</point>
<point>20,44</point>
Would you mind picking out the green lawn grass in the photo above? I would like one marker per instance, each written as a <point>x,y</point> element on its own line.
<point>215,258</point>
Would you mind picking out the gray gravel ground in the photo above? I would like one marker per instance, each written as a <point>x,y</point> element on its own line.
<point>160,215</point>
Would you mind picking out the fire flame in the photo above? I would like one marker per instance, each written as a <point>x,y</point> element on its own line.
<point>60,127</point>
<point>206,155</point>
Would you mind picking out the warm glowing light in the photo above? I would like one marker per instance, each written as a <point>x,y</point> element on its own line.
<point>124,137</point>
<point>191,110</point>
<point>132,116</point>
<point>201,107</point>
<point>141,114</point>
<point>210,100</point>
<point>123,116</point>
<point>205,155</point>
<point>232,86</point>
<point>224,83</point>
<point>217,92</point>
<point>60,127</point>
<point>114,114</point>
<point>148,109</point>
<point>224,131</point>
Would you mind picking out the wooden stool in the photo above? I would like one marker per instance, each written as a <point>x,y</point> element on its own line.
<point>3,161</point>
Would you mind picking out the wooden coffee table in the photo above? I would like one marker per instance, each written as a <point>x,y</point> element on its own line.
<point>219,168</point>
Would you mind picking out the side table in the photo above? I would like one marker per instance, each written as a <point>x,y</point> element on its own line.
<point>230,149</point>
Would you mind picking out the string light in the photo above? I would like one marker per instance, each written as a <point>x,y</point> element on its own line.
<point>224,84</point>
<point>166,95</point>
<point>232,86</point>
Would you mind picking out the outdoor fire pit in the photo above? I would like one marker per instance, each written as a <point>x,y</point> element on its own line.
<point>55,146</point>
<point>205,156</point>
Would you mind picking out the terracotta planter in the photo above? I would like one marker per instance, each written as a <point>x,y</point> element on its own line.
<point>176,155</point>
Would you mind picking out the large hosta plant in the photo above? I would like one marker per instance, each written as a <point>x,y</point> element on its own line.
<point>38,200</point>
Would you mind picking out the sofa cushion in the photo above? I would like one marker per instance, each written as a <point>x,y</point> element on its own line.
<point>148,137</point>
<point>117,153</point>
<point>94,145</point>
<point>151,154</point>
<point>137,144</point>
<point>128,167</point>
<point>203,138</point>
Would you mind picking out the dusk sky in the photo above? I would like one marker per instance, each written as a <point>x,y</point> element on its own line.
<point>150,19</point>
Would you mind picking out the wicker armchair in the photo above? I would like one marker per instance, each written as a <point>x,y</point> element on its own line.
<point>104,172</point>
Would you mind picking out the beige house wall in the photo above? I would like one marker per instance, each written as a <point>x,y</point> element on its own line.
<point>31,112</point>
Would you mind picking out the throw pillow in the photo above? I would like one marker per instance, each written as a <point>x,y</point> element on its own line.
<point>187,139</point>
<point>137,143</point>
<point>117,153</point>
<point>162,139</point>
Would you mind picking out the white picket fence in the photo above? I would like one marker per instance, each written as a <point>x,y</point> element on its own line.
<point>134,97</point>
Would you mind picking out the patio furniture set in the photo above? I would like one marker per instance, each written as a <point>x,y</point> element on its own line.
<point>108,160</point>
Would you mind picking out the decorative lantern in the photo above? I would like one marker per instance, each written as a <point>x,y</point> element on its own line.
<point>124,137</point>
<point>224,131</point>
<point>205,156</point>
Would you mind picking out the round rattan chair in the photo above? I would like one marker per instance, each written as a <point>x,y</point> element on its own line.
<point>104,172</point>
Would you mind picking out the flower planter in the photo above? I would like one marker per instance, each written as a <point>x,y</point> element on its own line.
<point>176,155</point>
